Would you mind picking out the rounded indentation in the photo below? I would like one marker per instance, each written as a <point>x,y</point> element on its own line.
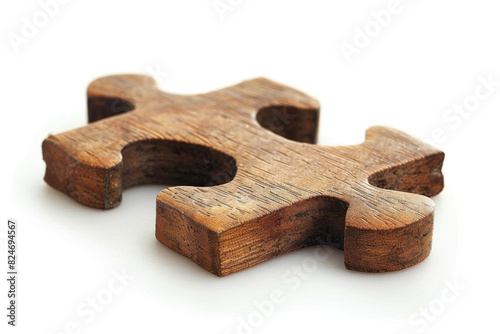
<point>175,164</point>
<point>299,125</point>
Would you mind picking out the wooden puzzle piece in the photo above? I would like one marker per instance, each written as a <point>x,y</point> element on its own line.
<point>241,191</point>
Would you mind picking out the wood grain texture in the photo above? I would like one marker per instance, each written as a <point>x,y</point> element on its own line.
<point>246,183</point>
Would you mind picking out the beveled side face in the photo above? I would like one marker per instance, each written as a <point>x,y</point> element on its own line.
<point>243,193</point>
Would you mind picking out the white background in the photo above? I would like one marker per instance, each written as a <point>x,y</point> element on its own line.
<point>429,57</point>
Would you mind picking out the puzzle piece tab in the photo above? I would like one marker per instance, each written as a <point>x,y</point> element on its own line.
<point>246,183</point>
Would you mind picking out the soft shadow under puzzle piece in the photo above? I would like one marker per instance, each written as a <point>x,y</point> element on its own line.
<point>247,182</point>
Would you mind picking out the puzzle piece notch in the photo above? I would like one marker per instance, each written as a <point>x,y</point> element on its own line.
<point>91,157</point>
<point>284,195</point>
<point>112,96</point>
<point>379,229</point>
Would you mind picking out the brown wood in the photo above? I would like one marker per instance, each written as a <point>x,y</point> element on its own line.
<point>241,194</point>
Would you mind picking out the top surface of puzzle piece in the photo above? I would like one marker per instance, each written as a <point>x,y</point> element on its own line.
<point>242,191</point>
